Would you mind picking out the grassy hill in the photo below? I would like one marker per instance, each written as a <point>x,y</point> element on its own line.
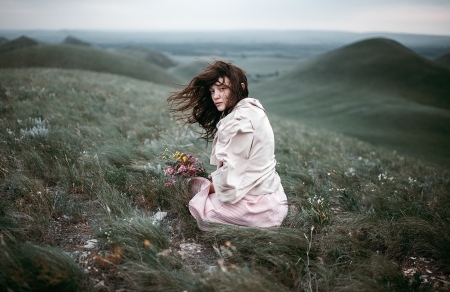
<point>86,58</point>
<point>376,90</point>
<point>148,55</point>
<point>81,158</point>
<point>19,43</point>
<point>444,60</point>
<point>3,40</point>
<point>189,70</point>
<point>70,40</point>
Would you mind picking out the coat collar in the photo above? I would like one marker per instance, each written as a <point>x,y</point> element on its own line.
<point>247,103</point>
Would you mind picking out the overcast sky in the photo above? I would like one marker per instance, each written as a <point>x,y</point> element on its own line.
<point>410,16</point>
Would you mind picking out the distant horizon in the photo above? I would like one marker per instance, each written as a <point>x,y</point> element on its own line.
<point>218,30</point>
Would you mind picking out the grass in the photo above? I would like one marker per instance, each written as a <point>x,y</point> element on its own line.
<point>375,90</point>
<point>357,212</point>
<point>85,58</point>
<point>27,267</point>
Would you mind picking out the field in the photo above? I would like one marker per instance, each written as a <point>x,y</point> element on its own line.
<point>81,159</point>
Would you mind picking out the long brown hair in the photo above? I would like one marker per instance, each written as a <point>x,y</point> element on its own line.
<point>194,104</point>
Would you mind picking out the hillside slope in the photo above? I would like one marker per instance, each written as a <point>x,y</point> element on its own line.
<point>444,59</point>
<point>3,40</point>
<point>376,90</point>
<point>86,58</point>
<point>148,55</point>
<point>70,40</point>
<point>189,70</point>
<point>18,43</point>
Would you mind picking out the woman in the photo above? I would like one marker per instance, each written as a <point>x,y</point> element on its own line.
<point>245,189</point>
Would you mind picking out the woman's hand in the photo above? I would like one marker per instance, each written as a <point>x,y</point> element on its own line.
<point>211,188</point>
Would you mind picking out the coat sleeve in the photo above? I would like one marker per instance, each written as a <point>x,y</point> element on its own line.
<point>232,150</point>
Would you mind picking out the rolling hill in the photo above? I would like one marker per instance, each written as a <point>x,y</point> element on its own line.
<point>189,70</point>
<point>3,40</point>
<point>86,58</point>
<point>70,40</point>
<point>444,59</point>
<point>19,43</point>
<point>376,90</point>
<point>148,55</point>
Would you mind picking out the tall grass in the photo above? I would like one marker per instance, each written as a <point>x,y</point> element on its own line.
<point>26,267</point>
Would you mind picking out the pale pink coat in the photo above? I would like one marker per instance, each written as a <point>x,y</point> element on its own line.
<point>248,189</point>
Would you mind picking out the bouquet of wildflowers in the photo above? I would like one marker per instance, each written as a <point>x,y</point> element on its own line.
<point>181,164</point>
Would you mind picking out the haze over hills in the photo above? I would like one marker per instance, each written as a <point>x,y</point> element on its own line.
<point>151,56</point>
<point>86,58</point>
<point>376,90</point>
<point>231,36</point>
<point>305,43</point>
<point>19,43</point>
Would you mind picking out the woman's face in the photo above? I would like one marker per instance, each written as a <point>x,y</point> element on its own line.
<point>220,91</point>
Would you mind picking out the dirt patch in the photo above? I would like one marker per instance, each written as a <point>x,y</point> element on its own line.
<point>426,270</point>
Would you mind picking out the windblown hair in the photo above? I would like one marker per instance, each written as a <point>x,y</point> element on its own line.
<point>194,104</point>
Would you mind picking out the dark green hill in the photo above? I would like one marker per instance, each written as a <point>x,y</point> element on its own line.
<point>444,59</point>
<point>376,90</point>
<point>3,40</point>
<point>189,70</point>
<point>383,65</point>
<point>148,55</point>
<point>86,58</point>
<point>70,40</point>
<point>19,43</point>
